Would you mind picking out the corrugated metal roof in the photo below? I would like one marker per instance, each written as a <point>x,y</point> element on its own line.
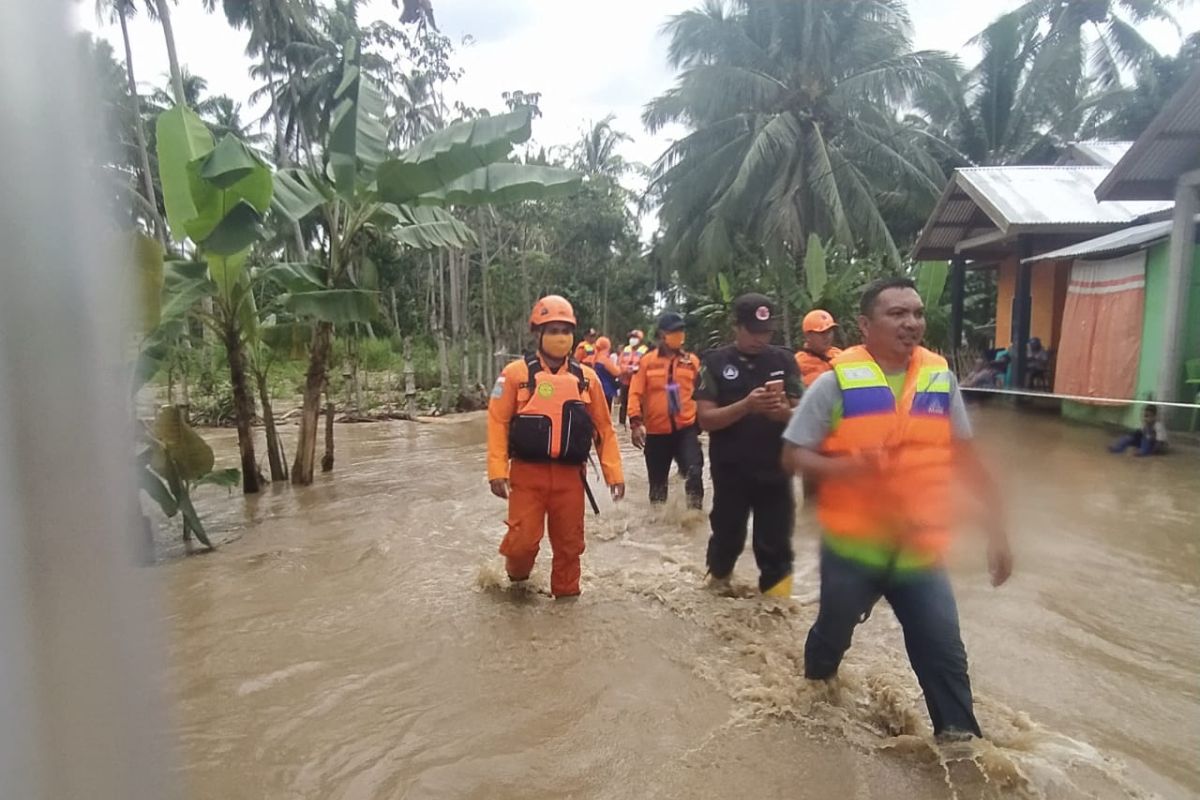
<point>1049,196</point>
<point>1095,153</point>
<point>1169,147</point>
<point>1007,201</point>
<point>1127,239</point>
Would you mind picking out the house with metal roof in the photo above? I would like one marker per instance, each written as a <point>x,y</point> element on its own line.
<point>1096,258</point>
<point>998,218</point>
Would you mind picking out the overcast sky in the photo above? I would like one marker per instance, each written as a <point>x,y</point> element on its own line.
<point>587,58</point>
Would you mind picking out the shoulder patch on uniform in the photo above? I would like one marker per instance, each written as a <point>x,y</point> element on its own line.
<point>730,372</point>
<point>498,389</point>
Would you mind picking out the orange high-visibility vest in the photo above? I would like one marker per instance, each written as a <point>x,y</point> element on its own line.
<point>630,358</point>
<point>585,353</point>
<point>907,504</point>
<point>552,421</point>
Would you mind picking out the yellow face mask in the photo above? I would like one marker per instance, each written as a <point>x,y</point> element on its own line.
<point>674,339</point>
<point>557,345</point>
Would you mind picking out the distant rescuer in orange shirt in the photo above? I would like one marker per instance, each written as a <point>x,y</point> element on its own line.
<point>815,357</point>
<point>545,413</point>
<point>662,412</point>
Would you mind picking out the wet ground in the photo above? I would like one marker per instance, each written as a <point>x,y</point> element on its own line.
<point>357,639</point>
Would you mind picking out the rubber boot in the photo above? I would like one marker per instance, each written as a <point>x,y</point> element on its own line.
<point>783,589</point>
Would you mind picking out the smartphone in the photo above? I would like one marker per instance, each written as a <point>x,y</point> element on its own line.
<point>774,386</point>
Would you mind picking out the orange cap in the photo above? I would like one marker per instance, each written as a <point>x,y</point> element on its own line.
<point>551,308</point>
<point>603,344</point>
<point>636,333</point>
<point>818,321</point>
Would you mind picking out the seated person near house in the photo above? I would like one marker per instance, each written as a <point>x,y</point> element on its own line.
<point>1149,440</point>
<point>1039,362</point>
<point>1001,361</point>
<point>982,376</point>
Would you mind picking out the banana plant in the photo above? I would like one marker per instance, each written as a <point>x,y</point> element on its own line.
<point>216,194</point>
<point>405,196</point>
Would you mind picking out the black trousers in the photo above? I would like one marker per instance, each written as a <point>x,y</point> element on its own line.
<point>624,398</point>
<point>683,448</point>
<point>737,493</point>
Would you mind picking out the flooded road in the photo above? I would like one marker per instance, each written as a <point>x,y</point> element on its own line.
<point>357,639</point>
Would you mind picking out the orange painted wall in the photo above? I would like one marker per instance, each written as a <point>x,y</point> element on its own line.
<point>1048,292</point>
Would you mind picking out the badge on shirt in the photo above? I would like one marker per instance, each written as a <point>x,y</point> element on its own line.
<point>730,373</point>
<point>498,389</point>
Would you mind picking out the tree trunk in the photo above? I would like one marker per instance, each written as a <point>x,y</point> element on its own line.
<point>243,408</point>
<point>455,292</point>
<point>464,375</point>
<point>274,451</point>
<point>164,16</point>
<point>160,230</point>
<point>281,153</point>
<point>489,339</point>
<point>395,312</point>
<point>314,385</point>
<point>410,381</point>
<point>435,323</point>
<point>327,459</point>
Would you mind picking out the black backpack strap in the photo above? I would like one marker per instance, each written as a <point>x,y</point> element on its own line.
<point>533,365</point>
<point>576,369</point>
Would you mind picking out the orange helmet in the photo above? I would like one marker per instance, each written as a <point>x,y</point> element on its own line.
<point>638,334</point>
<point>604,344</point>
<point>551,308</point>
<point>818,321</point>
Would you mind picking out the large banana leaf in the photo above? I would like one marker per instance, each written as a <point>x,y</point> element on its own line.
<point>506,183</point>
<point>339,306</point>
<point>191,454</point>
<point>182,138</point>
<point>448,154</point>
<point>815,274</point>
<point>287,338</point>
<point>181,292</point>
<point>226,272</point>
<point>297,278</point>
<point>231,190</point>
<point>358,134</point>
<point>298,192</point>
<point>931,282</point>
<point>425,227</point>
<point>147,257</point>
<point>240,228</point>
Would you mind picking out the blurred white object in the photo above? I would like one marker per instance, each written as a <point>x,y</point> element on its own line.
<point>81,714</point>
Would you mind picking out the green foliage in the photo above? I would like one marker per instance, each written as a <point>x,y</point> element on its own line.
<point>182,138</point>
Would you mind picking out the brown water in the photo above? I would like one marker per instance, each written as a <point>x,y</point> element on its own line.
<point>356,639</point>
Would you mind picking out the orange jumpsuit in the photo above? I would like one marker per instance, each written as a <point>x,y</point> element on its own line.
<point>541,490</point>
<point>813,366</point>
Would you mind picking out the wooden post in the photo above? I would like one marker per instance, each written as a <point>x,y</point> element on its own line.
<point>1179,273</point>
<point>1022,312</point>
<point>958,290</point>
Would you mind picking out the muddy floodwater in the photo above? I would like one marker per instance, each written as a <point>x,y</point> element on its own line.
<point>357,639</point>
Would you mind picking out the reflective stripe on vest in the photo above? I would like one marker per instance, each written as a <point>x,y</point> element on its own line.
<point>905,506</point>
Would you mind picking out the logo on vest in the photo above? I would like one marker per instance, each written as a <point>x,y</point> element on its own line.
<point>545,390</point>
<point>936,407</point>
<point>730,373</point>
<point>858,373</point>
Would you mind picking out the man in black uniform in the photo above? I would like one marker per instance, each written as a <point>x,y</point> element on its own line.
<point>745,399</point>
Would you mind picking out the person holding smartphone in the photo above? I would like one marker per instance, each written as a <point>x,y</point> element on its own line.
<point>745,398</point>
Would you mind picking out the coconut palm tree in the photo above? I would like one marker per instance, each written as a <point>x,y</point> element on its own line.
<point>998,112</point>
<point>596,151</point>
<point>1092,38</point>
<point>225,117</point>
<point>120,11</point>
<point>792,109</point>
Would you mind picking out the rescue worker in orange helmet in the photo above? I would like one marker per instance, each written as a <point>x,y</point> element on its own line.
<point>606,367</point>
<point>817,355</point>
<point>631,357</point>
<point>585,351</point>
<point>662,412</point>
<point>887,434</point>
<point>545,413</point>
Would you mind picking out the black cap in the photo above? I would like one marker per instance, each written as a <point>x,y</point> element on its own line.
<point>671,321</point>
<point>755,312</point>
